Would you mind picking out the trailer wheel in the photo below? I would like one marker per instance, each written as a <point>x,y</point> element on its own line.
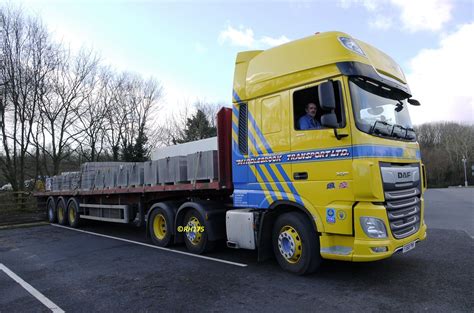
<point>295,244</point>
<point>195,234</point>
<point>73,214</point>
<point>160,227</point>
<point>52,216</point>
<point>61,209</point>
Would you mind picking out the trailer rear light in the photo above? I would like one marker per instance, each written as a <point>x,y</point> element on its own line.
<point>350,44</point>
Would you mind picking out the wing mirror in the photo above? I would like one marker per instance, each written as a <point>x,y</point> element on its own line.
<point>327,99</point>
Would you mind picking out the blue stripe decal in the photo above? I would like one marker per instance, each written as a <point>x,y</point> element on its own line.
<point>272,174</point>
<point>279,168</point>
<point>236,96</point>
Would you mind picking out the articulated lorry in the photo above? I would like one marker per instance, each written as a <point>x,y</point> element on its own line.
<point>348,187</point>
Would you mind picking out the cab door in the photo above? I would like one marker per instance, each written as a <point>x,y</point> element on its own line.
<point>317,157</point>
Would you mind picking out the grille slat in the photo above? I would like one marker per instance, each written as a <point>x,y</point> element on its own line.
<point>393,215</point>
<point>403,211</point>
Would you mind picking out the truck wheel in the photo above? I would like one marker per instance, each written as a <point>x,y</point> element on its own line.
<point>52,216</point>
<point>61,209</point>
<point>160,227</point>
<point>195,235</point>
<point>295,244</point>
<point>73,214</point>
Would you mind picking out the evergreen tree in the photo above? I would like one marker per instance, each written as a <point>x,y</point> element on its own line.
<point>197,127</point>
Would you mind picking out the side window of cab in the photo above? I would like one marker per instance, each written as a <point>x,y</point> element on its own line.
<point>307,110</point>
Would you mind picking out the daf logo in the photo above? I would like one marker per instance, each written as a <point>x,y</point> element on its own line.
<point>404,175</point>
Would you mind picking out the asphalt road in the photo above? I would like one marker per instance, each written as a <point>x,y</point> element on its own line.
<point>82,272</point>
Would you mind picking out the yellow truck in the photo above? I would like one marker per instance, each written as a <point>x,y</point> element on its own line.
<point>317,159</point>
<point>351,186</point>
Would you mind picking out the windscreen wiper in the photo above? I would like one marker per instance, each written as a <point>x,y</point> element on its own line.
<point>382,128</point>
<point>399,131</point>
<point>410,133</point>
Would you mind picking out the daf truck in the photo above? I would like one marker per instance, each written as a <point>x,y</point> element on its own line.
<point>351,189</point>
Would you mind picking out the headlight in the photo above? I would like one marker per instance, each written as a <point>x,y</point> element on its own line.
<point>373,227</point>
<point>350,44</point>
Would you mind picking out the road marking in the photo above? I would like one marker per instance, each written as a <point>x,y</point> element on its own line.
<point>152,246</point>
<point>35,293</point>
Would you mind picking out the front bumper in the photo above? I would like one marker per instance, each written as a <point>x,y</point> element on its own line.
<point>358,248</point>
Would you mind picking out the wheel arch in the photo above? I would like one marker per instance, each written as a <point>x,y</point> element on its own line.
<point>265,248</point>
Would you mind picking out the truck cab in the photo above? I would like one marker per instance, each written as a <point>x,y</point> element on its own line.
<point>349,188</point>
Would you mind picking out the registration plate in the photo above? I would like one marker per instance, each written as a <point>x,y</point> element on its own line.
<point>408,247</point>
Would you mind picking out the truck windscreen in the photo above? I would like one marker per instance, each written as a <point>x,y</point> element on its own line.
<point>379,110</point>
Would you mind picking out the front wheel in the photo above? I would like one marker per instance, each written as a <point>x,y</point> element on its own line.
<point>295,244</point>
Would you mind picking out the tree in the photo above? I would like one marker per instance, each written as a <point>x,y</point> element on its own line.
<point>28,57</point>
<point>197,127</point>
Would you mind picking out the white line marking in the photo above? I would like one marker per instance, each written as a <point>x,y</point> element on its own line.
<point>152,246</point>
<point>35,293</point>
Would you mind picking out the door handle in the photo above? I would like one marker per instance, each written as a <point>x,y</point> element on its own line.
<point>300,175</point>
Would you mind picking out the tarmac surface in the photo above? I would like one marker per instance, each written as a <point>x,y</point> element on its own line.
<point>82,272</point>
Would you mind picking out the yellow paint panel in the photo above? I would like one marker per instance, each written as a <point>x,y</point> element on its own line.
<point>271,115</point>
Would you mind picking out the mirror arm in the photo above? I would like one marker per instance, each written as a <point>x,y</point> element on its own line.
<point>339,136</point>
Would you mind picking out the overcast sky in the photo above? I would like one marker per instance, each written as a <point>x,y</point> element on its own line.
<point>190,46</point>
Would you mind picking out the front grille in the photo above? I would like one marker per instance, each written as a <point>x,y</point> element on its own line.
<point>403,210</point>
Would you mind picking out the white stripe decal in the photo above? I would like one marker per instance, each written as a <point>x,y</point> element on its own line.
<point>152,246</point>
<point>35,293</point>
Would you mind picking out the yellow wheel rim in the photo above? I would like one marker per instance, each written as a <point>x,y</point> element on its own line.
<point>193,233</point>
<point>159,226</point>
<point>60,213</point>
<point>290,244</point>
<point>72,215</point>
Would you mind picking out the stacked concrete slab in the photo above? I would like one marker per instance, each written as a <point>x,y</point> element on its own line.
<point>173,170</point>
<point>110,179</point>
<point>151,173</point>
<point>202,166</point>
<point>48,186</point>
<point>123,176</point>
<point>57,180</point>
<point>136,174</point>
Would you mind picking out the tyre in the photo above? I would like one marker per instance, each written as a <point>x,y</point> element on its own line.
<point>73,214</point>
<point>195,234</point>
<point>159,226</point>
<point>295,244</point>
<point>52,215</point>
<point>62,211</point>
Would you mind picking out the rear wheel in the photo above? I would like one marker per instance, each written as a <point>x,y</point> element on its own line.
<point>160,227</point>
<point>61,209</point>
<point>295,243</point>
<point>73,214</point>
<point>52,216</point>
<point>195,235</point>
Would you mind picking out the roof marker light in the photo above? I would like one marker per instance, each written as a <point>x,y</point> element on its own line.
<point>350,44</point>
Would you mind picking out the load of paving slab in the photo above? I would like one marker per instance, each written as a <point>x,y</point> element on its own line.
<point>188,162</point>
<point>184,163</point>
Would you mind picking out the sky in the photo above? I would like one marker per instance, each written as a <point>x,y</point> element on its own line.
<point>190,46</point>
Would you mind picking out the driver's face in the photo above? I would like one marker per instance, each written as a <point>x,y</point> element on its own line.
<point>311,110</point>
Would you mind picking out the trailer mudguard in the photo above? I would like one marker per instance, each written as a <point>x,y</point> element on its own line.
<point>214,218</point>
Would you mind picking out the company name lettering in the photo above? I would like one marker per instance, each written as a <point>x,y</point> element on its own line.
<point>333,153</point>
<point>259,160</point>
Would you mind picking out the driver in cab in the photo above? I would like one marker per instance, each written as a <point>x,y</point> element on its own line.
<point>308,121</point>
